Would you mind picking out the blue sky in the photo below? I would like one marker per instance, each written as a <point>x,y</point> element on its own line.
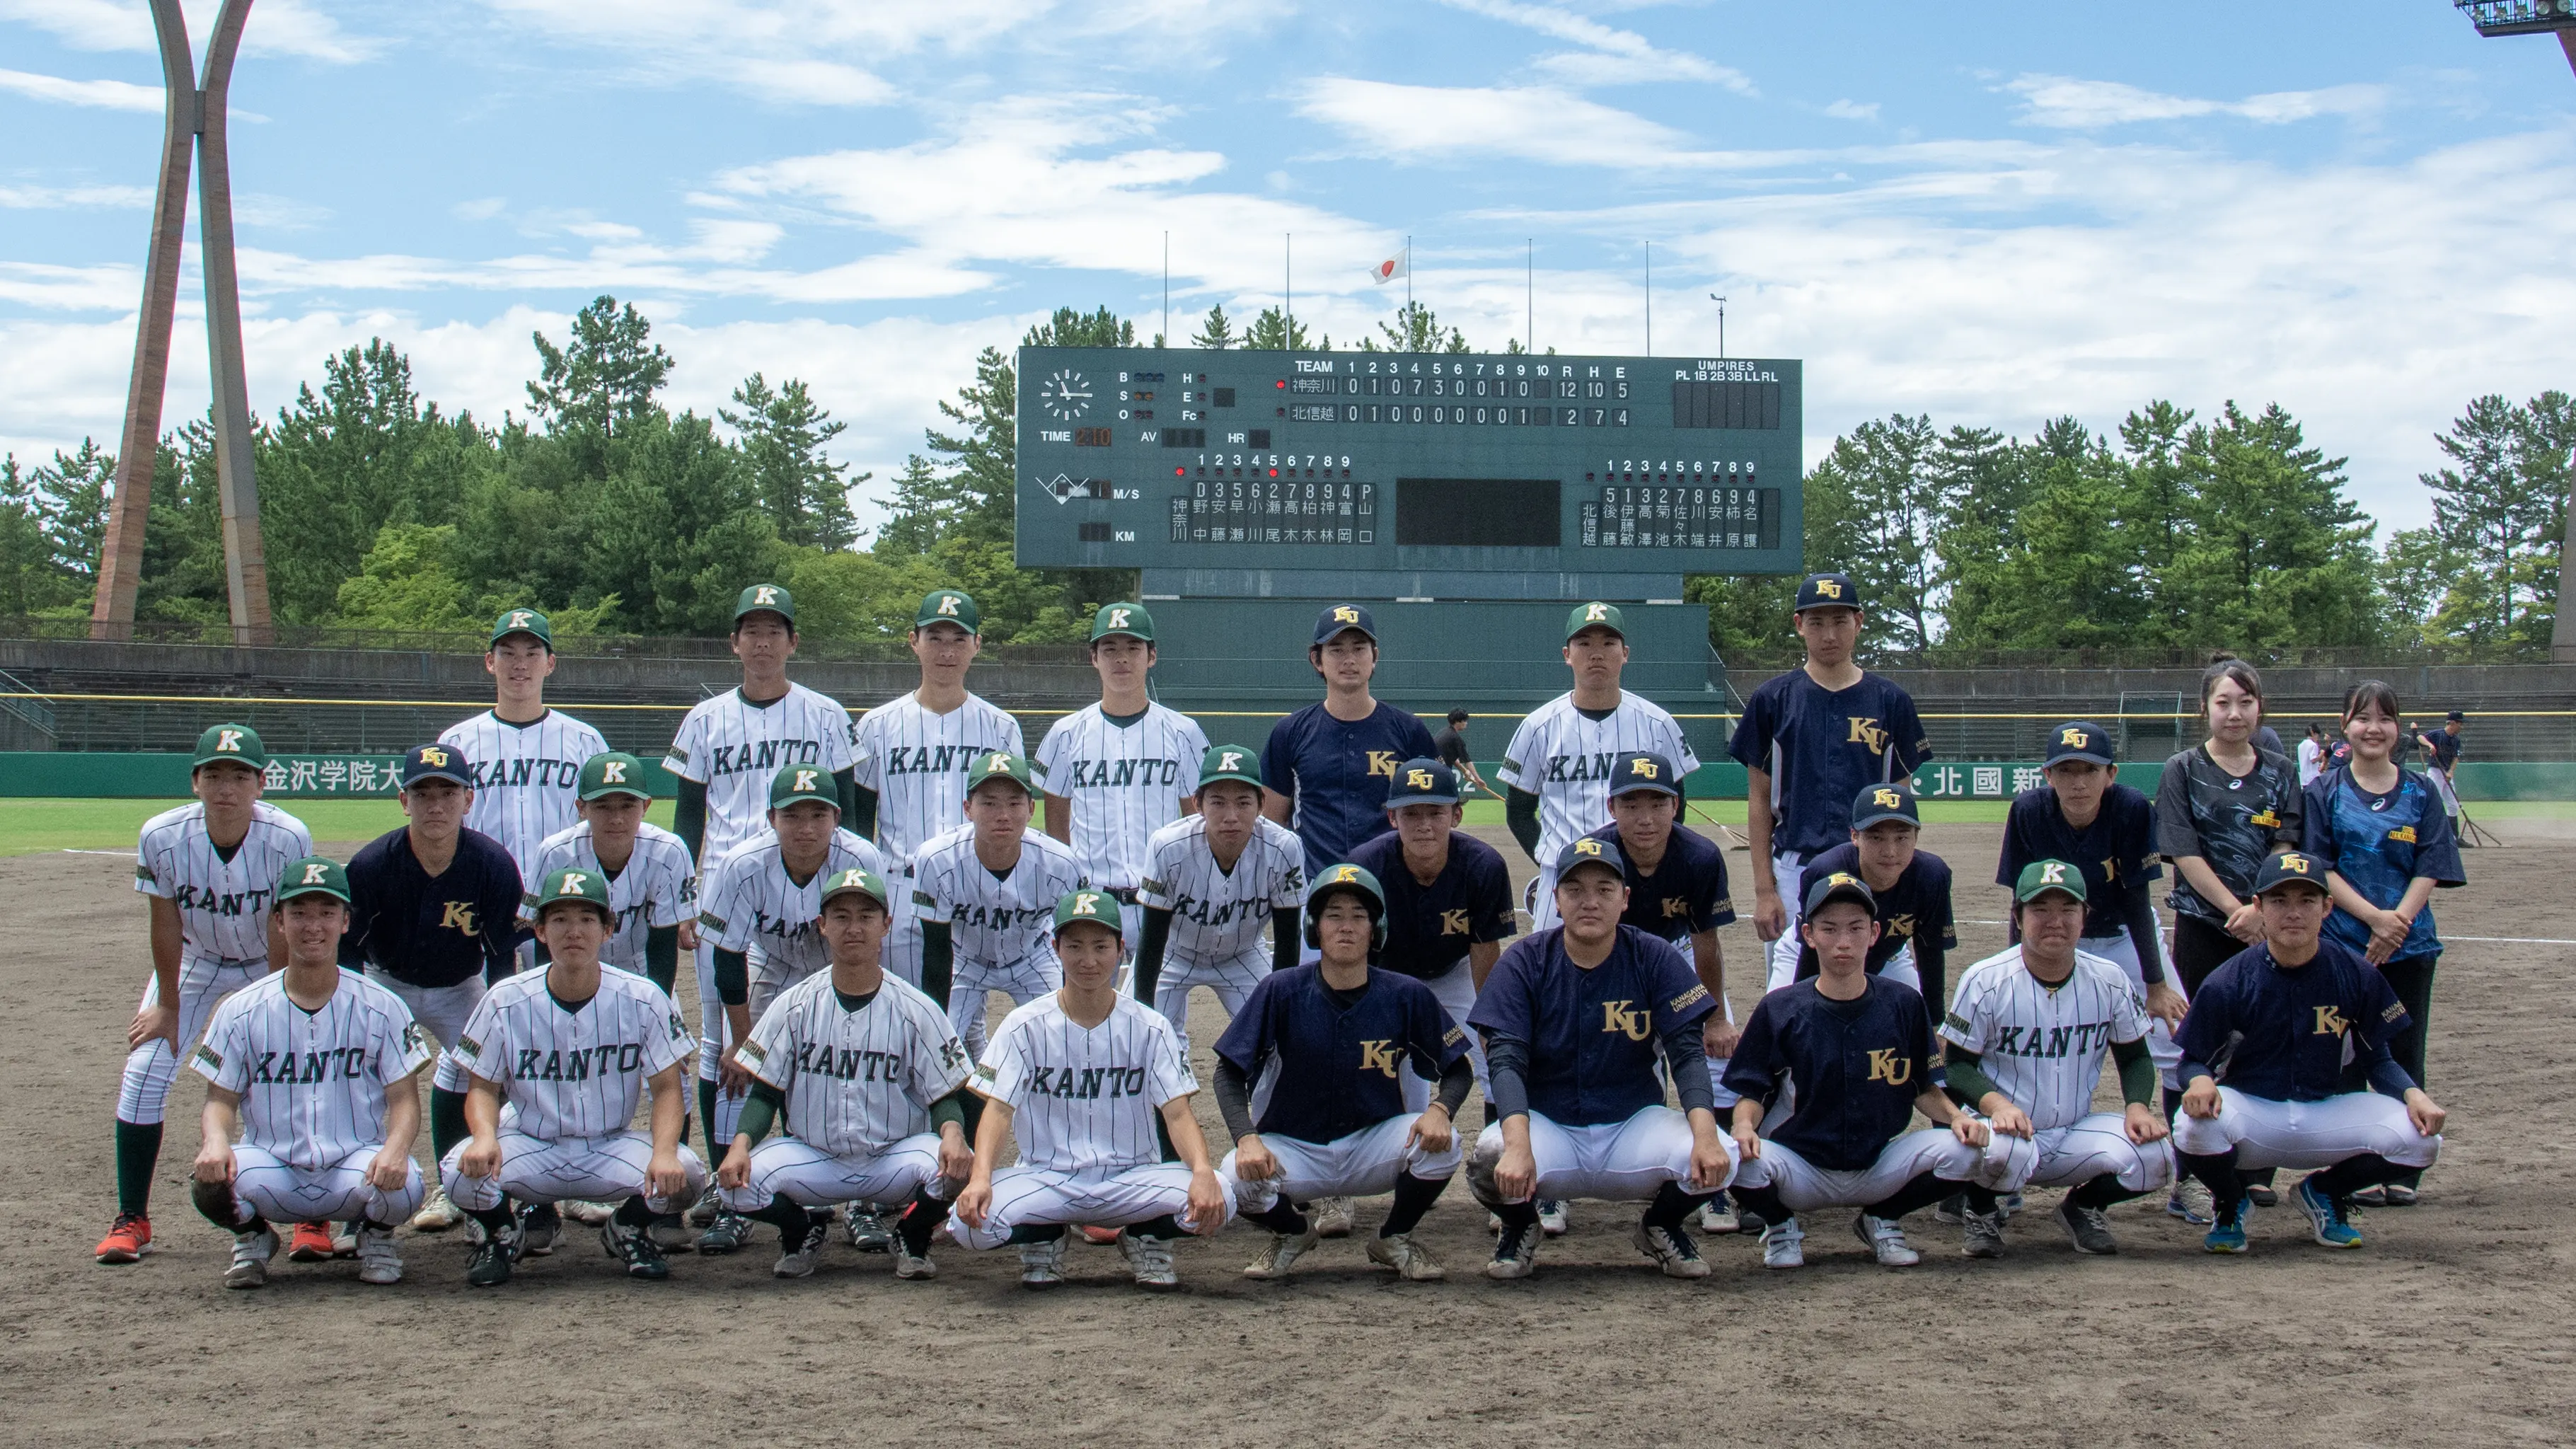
<point>1992,213</point>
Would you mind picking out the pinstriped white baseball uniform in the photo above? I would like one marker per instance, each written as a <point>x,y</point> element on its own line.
<point>1564,757</point>
<point>2044,1047</point>
<point>752,905</point>
<point>570,1082</point>
<point>1000,925</point>
<point>312,1086</point>
<point>1083,1105</point>
<point>658,887</point>
<point>224,909</point>
<point>1218,915</point>
<point>524,777</point>
<point>1126,782</point>
<point>859,1085</point>
<point>916,762</point>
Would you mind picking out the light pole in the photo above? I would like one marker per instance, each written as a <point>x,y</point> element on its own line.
<point>1721,325</point>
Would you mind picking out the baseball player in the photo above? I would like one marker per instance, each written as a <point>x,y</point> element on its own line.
<point>1556,771</point>
<point>1809,740</point>
<point>2265,1052</point>
<point>527,758</point>
<point>2442,760</point>
<point>209,874</point>
<point>984,894</point>
<point>1575,1018</point>
<point>870,1081</point>
<point>652,879</point>
<point>1211,880</point>
<point>2026,1038</point>
<point>1910,889</point>
<point>1322,1046</point>
<point>434,919</point>
<point>1078,1078</point>
<point>1325,764</point>
<point>912,757</point>
<point>1119,770</point>
<point>758,920</point>
<point>569,1050</point>
<point>1448,898</point>
<point>312,1068</point>
<point>1450,747</point>
<point>1860,1051</point>
<point>727,754</point>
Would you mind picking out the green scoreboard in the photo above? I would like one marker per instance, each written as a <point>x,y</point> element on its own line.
<point>1407,475</point>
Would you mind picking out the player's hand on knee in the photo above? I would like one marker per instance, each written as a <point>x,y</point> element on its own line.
<point>1516,1176</point>
<point>975,1204</point>
<point>1971,1131</point>
<point>1206,1212</point>
<point>2166,1004</point>
<point>956,1159</point>
<point>154,1021</point>
<point>389,1170</point>
<point>2144,1125</point>
<point>2200,1099</point>
<point>1432,1133</point>
<point>1719,1037</point>
<point>665,1176</point>
<point>481,1158</point>
<point>1770,917</point>
<point>735,1170</point>
<point>1709,1165</point>
<point>214,1163</point>
<point>1253,1161</point>
<point>2012,1121</point>
<point>1748,1141</point>
<point>2425,1113</point>
<point>732,1075</point>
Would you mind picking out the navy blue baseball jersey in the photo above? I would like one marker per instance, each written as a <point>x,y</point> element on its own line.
<point>431,931</point>
<point>1821,746</point>
<point>2379,844</point>
<point>1858,1064</point>
<point>1335,773</point>
<point>2116,853</point>
<point>1340,1067</point>
<point>2288,1032</point>
<point>1593,1035</point>
<point>1916,908</point>
<point>1430,927</point>
<point>2444,748</point>
<point>1685,895</point>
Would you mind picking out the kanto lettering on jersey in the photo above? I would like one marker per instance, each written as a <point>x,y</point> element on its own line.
<point>301,1069</point>
<point>848,1064</point>
<point>222,903</point>
<point>929,759</point>
<point>761,755</point>
<point>2050,1041</point>
<point>1087,1083</point>
<point>579,1064</point>
<point>500,774</point>
<point>1205,911</point>
<point>1565,769</point>
<point>999,918</point>
<point>1118,774</point>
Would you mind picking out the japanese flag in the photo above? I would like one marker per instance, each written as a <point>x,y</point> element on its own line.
<point>1393,267</point>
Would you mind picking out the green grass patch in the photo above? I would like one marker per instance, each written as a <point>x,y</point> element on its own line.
<point>29,825</point>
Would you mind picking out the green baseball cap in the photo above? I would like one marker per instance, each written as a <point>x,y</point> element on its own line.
<point>583,883</point>
<point>803,782</point>
<point>1595,615</point>
<point>1098,907</point>
<point>524,621</point>
<point>998,765</point>
<point>948,606</point>
<point>2042,876</point>
<point>1230,762</point>
<point>613,772</point>
<point>238,743</point>
<point>1131,620</point>
<point>765,599</point>
<point>313,876</point>
<point>855,881</point>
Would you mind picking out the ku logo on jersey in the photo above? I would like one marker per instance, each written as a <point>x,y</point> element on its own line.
<point>1616,1016</point>
<point>2330,1021</point>
<point>1884,1067</point>
<point>1901,926</point>
<point>458,915</point>
<point>1380,1056</point>
<point>1865,731</point>
<point>1676,906</point>
<point>1382,762</point>
<point>1454,923</point>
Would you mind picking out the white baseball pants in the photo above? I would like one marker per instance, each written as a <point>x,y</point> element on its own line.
<point>1456,989</point>
<point>204,981</point>
<point>586,1169</point>
<point>1024,981</point>
<point>1786,867</point>
<point>2268,1133</point>
<point>803,1173</point>
<point>1039,1196</point>
<point>2003,1164</point>
<point>1614,1161</point>
<point>1364,1164</point>
<point>265,1185</point>
<point>1232,981</point>
<point>442,1011</point>
<point>2096,1144</point>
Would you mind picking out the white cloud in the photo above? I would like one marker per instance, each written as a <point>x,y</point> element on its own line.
<point>1849,110</point>
<point>480,209</point>
<point>279,27</point>
<point>2070,103</point>
<point>1535,123</point>
<point>114,95</point>
<point>70,289</point>
<point>52,198</point>
<point>1609,56</point>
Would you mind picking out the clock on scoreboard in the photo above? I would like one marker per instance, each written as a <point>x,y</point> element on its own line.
<point>1396,475</point>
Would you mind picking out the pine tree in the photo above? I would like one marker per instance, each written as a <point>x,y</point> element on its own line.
<point>1217,331</point>
<point>1415,329</point>
<point>1277,332</point>
<point>605,378</point>
<point>782,442</point>
<point>71,503</point>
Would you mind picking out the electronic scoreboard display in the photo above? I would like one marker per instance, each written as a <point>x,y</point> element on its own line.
<point>1474,475</point>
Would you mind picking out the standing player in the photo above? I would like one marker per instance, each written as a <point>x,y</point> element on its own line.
<point>871,1083</point>
<point>727,755</point>
<point>209,872</point>
<point>2442,759</point>
<point>527,758</point>
<point>569,1050</point>
<point>1860,1053</point>
<point>1322,1046</point>
<point>2312,756</point>
<point>1576,1020</point>
<point>312,1068</point>
<point>1910,888</point>
<point>1324,764</point>
<point>913,752</point>
<point>652,882</point>
<point>1450,745</point>
<point>2266,1049</point>
<point>434,919</point>
<point>1078,1079</point>
<point>1211,880</point>
<point>1558,765</point>
<point>1119,770</point>
<point>1809,740</point>
<point>984,894</point>
<point>2026,1038</point>
<point>1448,897</point>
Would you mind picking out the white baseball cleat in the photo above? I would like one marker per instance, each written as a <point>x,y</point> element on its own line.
<point>1331,1217</point>
<point>251,1252</point>
<point>1042,1264</point>
<point>379,1261</point>
<point>1151,1259</point>
<point>1715,1216</point>
<point>799,1256</point>
<point>1409,1259</point>
<point>1553,1219</point>
<point>1515,1253</point>
<point>1885,1241</point>
<point>436,1214</point>
<point>588,1214</point>
<point>1672,1250</point>
<point>1784,1245</point>
<point>1282,1250</point>
<point>909,1264</point>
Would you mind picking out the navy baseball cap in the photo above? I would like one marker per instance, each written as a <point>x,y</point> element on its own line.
<point>1827,591</point>
<point>1583,850</point>
<point>1884,802</point>
<point>1839,886</point>
<point>2080,740</point>
<point>2456,717</point>
<point>436,762</point>
<point>1644,770</point>
<point>2290,868</point>
<point>1342,617</point>
<point>1422,782</point>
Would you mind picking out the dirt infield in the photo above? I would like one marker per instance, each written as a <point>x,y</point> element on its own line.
<point>2457,1324</point>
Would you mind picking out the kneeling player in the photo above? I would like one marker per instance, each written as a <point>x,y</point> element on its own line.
<point>313,1066</point>
<point>2265,1048</point>
<point>1077,1078</point>
<point>2027,1034</point>
<point>872,1083</point>
<point>1860,1053</point>
<point>1572,1018</point>
<point>1326,1044</point>
<point>570,1049</point>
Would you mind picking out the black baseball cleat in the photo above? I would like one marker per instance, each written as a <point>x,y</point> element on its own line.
<point>489,1267</point>
<point>634,1247</point>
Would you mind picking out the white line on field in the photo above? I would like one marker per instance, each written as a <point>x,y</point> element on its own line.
<point>97,852</point>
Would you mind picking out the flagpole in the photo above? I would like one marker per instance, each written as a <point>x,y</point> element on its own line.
<point>1408,285</point>
<point>1529,293</point>
<point>1167,289</point>
<point>1650,299</point>
<point>1288,285</point>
